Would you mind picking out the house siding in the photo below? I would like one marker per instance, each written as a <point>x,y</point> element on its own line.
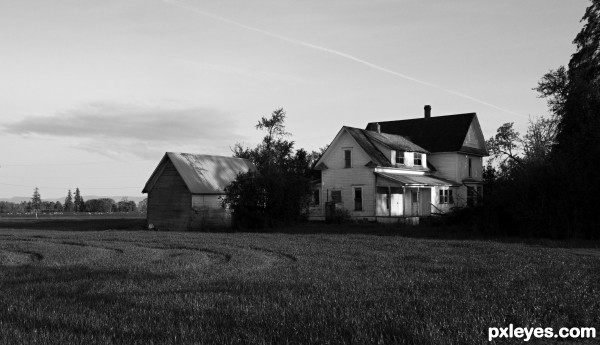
<point>336,177</point>
<point>169,201</point>
<point>445,164</point>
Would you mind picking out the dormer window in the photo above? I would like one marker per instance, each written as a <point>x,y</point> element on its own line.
<point>399,157</point>
<point>418,159</point>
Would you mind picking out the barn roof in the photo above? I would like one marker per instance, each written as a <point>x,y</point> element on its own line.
<point>437,133</point>
<point>203,174</point>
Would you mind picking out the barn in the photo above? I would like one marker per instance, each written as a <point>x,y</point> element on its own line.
<point>185,191</point>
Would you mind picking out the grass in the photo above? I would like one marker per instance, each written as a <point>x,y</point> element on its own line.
<point>98,287</point>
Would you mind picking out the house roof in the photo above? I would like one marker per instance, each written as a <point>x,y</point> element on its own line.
<point>367,139</point>
<point>202,174</point>
<point>417,180</point>
<point>437,133</point>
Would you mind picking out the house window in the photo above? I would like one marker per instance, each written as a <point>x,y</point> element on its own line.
<point>399,157</point>
<point>348,158</point>
<point>357,199</point>
<point>470,196</point>
<point>418,160</point>
<point>446,196</point>
<point>470,168</point>
<point>316,197</point>
<point>336,196</point>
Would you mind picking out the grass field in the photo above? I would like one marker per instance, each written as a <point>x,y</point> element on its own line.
<point>98,287</point>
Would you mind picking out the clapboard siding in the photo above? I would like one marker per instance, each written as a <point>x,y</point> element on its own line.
<point>169,201</point>
<point>337,177</point>
<point>445,164</point>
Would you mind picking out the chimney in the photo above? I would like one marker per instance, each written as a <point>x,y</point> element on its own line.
<point>374,127</point>
<point>427,111</point>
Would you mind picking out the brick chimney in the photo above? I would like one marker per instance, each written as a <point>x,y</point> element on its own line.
<point>374,127</point>
<point>427,111</point>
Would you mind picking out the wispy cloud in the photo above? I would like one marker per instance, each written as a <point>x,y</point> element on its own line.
<point>114,129</point>
<point>337,53</point>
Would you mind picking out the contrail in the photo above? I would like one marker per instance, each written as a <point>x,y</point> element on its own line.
<point>338,53</point>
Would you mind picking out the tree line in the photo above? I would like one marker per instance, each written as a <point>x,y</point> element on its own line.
<point>73,203</point>
<point>545,182</point>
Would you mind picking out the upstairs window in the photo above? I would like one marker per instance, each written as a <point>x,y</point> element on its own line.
<point>336,196</point>
<point>470,168</point>
<point>399,157</point>
<point>418,159</point>
<point>357,199</point>
<point>446,196</point>
<point>347,158</point>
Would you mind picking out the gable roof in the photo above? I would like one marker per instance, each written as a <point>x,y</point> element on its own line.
<point>202,174</point>
<point>366,139</point>
<point>437,133</point>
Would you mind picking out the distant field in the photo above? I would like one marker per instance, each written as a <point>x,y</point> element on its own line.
<point>98,287</point>
<point>81,221</point>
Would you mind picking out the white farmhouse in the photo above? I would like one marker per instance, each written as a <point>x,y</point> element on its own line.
<point>402,170</point>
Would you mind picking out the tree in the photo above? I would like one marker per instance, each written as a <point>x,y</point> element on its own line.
<point>278,192</point>
<point>36,200</point>
<point>143,205</point>
<point>126,206</point>
<point>78,202</point>
<point>574,100</point>
<point>68,207</point>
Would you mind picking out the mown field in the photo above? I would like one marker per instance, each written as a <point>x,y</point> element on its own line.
<point>98,287</point>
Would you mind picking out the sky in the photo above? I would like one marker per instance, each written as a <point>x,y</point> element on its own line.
<point>93,93</point>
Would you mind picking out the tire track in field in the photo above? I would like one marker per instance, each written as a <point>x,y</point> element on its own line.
<point>16,257</point>
<point>277,253</point>
<point>226,257</point>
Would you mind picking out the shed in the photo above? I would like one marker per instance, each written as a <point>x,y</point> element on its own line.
<point>185,190</point>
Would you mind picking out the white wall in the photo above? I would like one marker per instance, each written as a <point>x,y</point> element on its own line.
<point>337,177</point>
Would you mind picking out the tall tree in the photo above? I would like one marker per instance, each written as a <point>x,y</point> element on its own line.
<point>68,206</point>
<point>36,200</point>
<point>278,192</point>
<point>78,203</point>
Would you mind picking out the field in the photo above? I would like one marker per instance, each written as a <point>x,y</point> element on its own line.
<point>98,287</point>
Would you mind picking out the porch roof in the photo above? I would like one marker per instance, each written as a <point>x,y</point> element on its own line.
<point>417,180</point>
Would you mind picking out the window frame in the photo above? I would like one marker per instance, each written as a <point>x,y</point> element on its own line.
<point>399,157</point>
<point>470,167</point>
<point>417,156</point>
<point>358,204</point>
<point>339,192</point>
<point>446,196</point>
<point>316,197</point>
<point>347,158</point>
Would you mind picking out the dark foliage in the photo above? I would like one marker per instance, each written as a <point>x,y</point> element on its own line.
<point>550,187</point>
<point>277,193</point>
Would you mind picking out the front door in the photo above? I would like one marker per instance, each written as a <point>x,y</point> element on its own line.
<point>414,202</point>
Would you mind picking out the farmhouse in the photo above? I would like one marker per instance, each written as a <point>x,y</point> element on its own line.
<point>402,170</point>
<point>185,190</point>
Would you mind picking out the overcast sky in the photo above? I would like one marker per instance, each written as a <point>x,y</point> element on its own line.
<point>92,93</point>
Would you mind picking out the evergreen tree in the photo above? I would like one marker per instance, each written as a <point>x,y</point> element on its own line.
<point>78,203</point>
<point>36,200</point>
<point>68,206</point>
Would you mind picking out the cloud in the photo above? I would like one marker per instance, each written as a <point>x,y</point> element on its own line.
<point>114,129</point>
<point>113,120</point>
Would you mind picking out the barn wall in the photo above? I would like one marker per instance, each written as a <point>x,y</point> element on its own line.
<point>208,213</point>
<point>169,201</point>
